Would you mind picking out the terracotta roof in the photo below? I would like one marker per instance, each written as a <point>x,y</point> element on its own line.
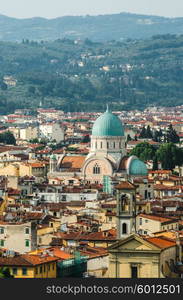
<point>126,185</point>
<point>94,236</point>
<point>161,242</point>
<point>93,252</point>
<point>162,187</point>
<point>156,218</point>
<point>160,172</point>
<point>60,253</point>
<point>26,260</point>
<point>73,162</point>
<point>39,259</point>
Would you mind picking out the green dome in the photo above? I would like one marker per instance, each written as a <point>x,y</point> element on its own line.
<point>107,125</point>
<point>138,167</point>
<point>53,157</point>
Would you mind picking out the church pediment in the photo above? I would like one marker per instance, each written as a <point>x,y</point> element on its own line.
<point>133,243</point>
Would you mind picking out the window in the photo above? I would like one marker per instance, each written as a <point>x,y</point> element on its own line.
<point>110,218</point>
<point>101,145</point>
<point>24,271</point>
<point>145,232</point>
<point>124,228</point>
<point>114,145</point>
<point>1,230</point>
<point>27,230</point>
<point>44,268</point>
<point>41,269</point>
<point>27,243</point>
<point>146,221</point>
<point>140,221</point>
<point>107,145</point>
<point>2,243</point>
<point>36,270</point>
<point>14,271</point>
<point>53,267</point>
<point>96,169</point>
<point>48,267</point>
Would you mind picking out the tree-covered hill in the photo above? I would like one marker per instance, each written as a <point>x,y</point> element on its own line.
<point>85,75</point>
<point>97,28</point>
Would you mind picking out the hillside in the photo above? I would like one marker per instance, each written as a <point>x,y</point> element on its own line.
<point>86,75</point>
<point>97,28</point>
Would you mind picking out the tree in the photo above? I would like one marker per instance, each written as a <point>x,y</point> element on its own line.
<point>171,136</point>
<point>5,273</point>
<point>31,90</point>
<point>155,163</point>
<point>157,135</point>
<point>143,133</point>
<point>3,86</point>
<point>149,134</point>
<point>146,133</point>
<point>7,137</point>
<point>128,138</point>
<point>170,156</point>
<point>144,151</point>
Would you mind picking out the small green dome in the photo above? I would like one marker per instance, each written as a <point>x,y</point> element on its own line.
<point>107,125</point>
<point>53,157</point>
<point>138,167</point>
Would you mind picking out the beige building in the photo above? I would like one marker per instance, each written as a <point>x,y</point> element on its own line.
<point>18,237</point>
<point>51,131</point>
<point>137,257</point>
<point>37,169</point>
<point>148,224</point>
<point>29,133</point>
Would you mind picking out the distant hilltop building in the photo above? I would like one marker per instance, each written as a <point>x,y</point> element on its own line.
<point>107,156</point>
<point>10,80</point>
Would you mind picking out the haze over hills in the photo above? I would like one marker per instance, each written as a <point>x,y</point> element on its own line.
<point>97,28</point>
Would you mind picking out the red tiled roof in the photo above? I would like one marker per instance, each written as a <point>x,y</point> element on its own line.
<point>156,218</point>
<point>161,242</point>
<point>73,162</point>
<point>26,260</point>
<point>126,185</point>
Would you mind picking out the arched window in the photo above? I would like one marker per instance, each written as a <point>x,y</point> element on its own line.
<point>96,169</point>
<point>124,228</point>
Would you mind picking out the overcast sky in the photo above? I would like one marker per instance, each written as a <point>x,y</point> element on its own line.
<point>57,8</point>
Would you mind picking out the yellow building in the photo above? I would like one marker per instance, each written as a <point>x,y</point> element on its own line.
<point>148,224</point>
<point>31,266</point>
<point>37,169</point>
<point>137,257</point>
